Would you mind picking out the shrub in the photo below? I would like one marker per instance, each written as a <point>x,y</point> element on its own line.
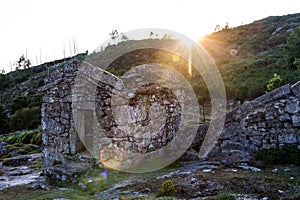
<point>289,154</point>
<point>225,196</point>
<point>19,103</point>
<point>25,137</point>
<point>274,82</point>
<point>25,119</point>
<point>167,189</point>
<point>291,48</point>
<point>36,100</point>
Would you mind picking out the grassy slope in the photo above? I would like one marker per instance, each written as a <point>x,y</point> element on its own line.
<point>245,75</point>
<point>259,55</point>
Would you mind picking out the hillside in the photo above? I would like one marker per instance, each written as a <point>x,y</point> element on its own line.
<point>247,57</point>
<point>257,53</point>
<point>21,97</point>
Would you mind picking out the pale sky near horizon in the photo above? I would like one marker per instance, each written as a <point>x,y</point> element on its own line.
<point>44,27</point>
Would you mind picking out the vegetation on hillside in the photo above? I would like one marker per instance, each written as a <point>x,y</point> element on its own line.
<point>248,56</point>
<point>20,143</point>
<point>20,96</point>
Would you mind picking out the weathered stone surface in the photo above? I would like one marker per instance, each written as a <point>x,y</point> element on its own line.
<point>3,150</point>
<point>293,107</point>
<point>296,89</point>
<point>66,172</point>
<point>285,118</point>
<point>296,120</point>
<point>149,117</point>
<point>21,160</point>
<point>270,121</point>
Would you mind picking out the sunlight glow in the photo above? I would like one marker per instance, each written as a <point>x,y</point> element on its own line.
<point>188,44</point>
<point>32,25</point>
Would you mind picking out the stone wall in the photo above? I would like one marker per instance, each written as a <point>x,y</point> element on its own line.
<point>57,124</point>
<point>146,120</point>
<point>270,121</point>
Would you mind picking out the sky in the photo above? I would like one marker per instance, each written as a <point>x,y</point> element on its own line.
<point>45,30</point>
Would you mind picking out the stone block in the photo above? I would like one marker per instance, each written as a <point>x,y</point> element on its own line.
<point>296,89</point>
<point>296,120</point>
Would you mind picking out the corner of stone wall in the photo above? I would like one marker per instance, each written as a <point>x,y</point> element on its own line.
<point>62,146</point>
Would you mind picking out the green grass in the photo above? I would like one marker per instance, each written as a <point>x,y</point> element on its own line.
<point>22,143</point>
<point>225,196</point>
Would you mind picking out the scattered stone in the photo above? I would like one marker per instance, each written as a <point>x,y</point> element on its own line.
<point>250,168</point>
<point>190,156</point>
<point>231,170</point>
<point>35,186</point>
<point>280,191</point>
<point>287,169</point>
<point>81,185</point>
<point>66,173</point>
<point>3,150</point>
<point>21,160</point>
<point>207,171</point>
<point>193,180</point>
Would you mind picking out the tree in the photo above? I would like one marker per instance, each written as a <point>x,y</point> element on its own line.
<point>114,35</point>
<point>23,63</point>
<point>124,37</point>
<point>226,26</point>
<point>292,50</point>
<point>151,34</point>
<point>274,82</point>
<point>167,36</point>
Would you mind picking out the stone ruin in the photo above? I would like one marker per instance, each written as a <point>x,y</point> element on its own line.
<point>272,120</point>
<point>148,120</point>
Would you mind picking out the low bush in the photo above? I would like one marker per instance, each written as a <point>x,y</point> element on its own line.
<point>167,189</point>
<point>25,119</point>
<point>289,154</point>
<point>19,103</point>
<point>25,137</point>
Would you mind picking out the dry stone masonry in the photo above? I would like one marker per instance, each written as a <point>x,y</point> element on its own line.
<point>148,120</point>
<point>270,121</point>
<point>144,106</point>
